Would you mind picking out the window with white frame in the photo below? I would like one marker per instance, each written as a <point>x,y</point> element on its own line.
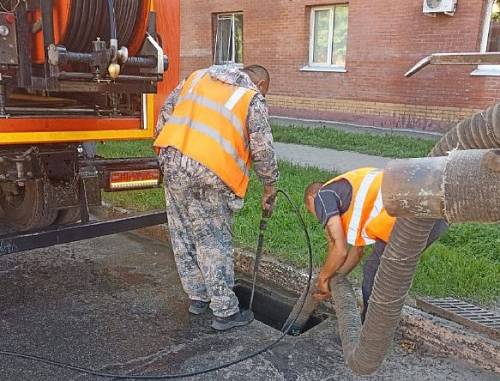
<point>493,34</point>
<point>229,39</point>
<point>328,39</point>
<point>491,37</point>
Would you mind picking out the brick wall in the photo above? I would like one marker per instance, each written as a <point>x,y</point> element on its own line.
<point>385,38</point>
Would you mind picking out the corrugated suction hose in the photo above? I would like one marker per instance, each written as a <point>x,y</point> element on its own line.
<point>365,348</point>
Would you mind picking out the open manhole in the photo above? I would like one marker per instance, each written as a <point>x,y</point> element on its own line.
<point>272,306</point>
<point>463,313</point>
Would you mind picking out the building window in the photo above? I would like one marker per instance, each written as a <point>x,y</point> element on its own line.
<point>229,39</point>
<point>328,37</point>
<point>491,37</point>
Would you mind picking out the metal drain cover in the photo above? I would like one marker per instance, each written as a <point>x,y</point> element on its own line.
<point>463,313</point>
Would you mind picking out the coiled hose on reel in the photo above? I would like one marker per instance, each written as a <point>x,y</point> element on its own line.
<point>89,19</point>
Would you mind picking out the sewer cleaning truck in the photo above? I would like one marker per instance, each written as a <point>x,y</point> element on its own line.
<point>73,73</point>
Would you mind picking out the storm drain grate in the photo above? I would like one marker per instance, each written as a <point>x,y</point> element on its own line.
<point>463,313</point>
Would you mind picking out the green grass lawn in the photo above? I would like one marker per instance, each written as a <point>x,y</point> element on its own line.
<point>465,263</point>
<point>388,145</point>
<point>139,148</point>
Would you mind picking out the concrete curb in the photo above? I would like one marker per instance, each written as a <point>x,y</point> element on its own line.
<point>438,336</point>
<point>443,337</point>
<point>351,127</point>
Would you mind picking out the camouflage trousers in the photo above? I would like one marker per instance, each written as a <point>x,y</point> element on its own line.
<point>200,211</point>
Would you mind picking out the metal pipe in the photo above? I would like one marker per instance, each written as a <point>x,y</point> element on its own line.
<point>146,161</point>
<point>24,72</point>
<point>87,58</point>
<point>60,55</point>
<point>121,78</point>
<point>143,62</point>
<point>113,41</point>
<point>29,110</point>
<point>437,187</point>
<point>46,7</point>
<point>14,243</point>
<point>3,98</point>
<point>474,58</point>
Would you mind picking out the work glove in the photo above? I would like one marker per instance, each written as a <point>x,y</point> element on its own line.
<point>268,200</point>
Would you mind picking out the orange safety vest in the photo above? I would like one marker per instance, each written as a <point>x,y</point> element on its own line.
<point>366,220</point>
<point>208,124</point>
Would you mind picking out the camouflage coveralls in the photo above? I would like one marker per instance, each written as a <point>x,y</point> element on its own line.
<point>200,206</point>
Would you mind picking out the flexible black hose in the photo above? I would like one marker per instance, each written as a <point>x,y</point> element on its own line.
<point>48,24</point>
<point>96,373</point>
<point>112,20</point>
<point>258,255</point>
<point>266,214</point>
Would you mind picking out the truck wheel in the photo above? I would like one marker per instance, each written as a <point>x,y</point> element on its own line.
<point>27,210</point>
<point>68,216</point>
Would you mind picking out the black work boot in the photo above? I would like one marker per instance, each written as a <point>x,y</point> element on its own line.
<point>198,307</point>
<point>239,319</point>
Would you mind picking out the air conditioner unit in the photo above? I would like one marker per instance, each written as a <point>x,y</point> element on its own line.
<point>433,7</point>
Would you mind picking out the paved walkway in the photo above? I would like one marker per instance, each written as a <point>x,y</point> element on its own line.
<point>327,159</point>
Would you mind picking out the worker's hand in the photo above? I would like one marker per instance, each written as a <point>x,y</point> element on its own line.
<point>322,290</point>
<point>268,200</point>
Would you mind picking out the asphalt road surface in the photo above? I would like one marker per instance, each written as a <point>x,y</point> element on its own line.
<point>115,304</point>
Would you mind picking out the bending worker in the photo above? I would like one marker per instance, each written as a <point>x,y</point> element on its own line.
<point>210,129</point>
<point>350,209</point>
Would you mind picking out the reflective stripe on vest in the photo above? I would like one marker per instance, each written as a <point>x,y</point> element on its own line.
<point>220,109</point>
<point>197,76</point>
<point>366,219</point>
<point>378,207</point>
<point>235,98</point>
<point>355,226</point>
<point>208,124</point>
<point>200,127</point>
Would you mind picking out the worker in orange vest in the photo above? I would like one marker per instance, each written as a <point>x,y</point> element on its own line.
<point>350,208</point>
<point>210,130</point>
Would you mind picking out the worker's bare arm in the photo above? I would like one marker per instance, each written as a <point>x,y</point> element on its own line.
<point>354,256</point>
<point>337,255</point>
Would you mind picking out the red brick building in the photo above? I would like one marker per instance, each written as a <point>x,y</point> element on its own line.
<point>345,60</point>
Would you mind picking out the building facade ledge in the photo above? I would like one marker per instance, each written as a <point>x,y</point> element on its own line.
<point>487,70</point>
<point>332,69</point>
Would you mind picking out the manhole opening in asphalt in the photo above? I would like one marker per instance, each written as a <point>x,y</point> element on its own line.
<point>271,306</point>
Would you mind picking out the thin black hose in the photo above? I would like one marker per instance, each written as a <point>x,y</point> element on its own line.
<point>258,254</point>
<point>112,20</point>
<point>96,373</point>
